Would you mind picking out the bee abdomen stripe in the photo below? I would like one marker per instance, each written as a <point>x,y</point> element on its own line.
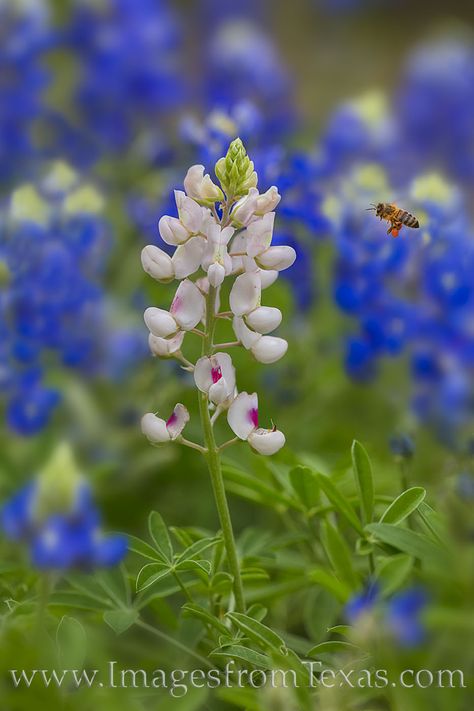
<point>408,219</point>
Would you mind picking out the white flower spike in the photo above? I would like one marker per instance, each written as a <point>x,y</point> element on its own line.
<point>243,420</point>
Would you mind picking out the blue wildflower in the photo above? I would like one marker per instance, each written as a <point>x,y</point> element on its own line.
<point>403,616</point>
<point>55,515</point>
<point>362,602</point>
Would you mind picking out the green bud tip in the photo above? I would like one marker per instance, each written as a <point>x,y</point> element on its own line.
<point>236,171</point>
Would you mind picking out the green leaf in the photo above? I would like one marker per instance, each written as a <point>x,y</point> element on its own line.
<point>392,572</point>
<point>334,645</point>
<point>200,613</point>
<point>120,620</point>
<point>404,540</point>
<point>254,489</point>
<point>243,654</point>
<point>71,643</point>
<point>200,566</point>
<point>327,580</point>
<point>198,547</point>
<point>321,609</point>
<point>339,502</point>
<point>339,554</point>
<point>258,632</point>
<point>160,535</point>
<point>149,574</point>
<point>345,630</point>
<point>253,573</point>
<point>70,598</point>
<point>364,479</point>
<point>403,505</point>
<point>142,548</point>
<point>305,485</point>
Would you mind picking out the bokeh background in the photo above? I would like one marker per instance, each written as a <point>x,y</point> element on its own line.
<point>340,103</point>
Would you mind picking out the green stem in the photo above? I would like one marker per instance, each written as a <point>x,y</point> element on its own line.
<point>44,590</point>
<point>214,465</point>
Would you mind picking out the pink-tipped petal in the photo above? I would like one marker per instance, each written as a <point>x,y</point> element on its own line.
<point>241,415</point>
<point>216,370</point>
<point>177,421</point>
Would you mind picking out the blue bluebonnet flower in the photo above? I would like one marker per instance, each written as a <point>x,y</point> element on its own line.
<point>55,515</point>
<point>25,34</point>
<point>53,250</point>
<point>435,107</point>
<point>400,614</point>
<point>402,446</point>
<point>128,68</point>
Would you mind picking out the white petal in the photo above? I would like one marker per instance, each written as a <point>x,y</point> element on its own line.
<point>177,421</point>
<point>264,319</point>
<point>172,231</point>
<point>190,213</point>
<point>268,201</point>
<point>157,263</point>
<point>188,305</point>
<point>165,347</point>
<point>278,258</point>
<point>268,277</point>
<point>243,415</point>
<point>259,234</point>
<point>244,209</point>
<point>160,322</point>
<point>216,274</point>
<point>244,334</point>
<point>245,293</point>
<point>266,441</point>
<point>269,349</point>
<point>200,186</point>
<point>187,258</point>
<point>219,392</point>
<point>154,428</point>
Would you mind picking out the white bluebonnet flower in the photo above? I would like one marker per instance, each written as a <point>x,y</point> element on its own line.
<point>212,244</point>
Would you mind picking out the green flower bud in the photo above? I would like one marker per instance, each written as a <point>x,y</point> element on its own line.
<point>58,482</point>
<point>236,171</point>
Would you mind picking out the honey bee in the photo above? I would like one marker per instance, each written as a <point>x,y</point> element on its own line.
<point>396,216</point>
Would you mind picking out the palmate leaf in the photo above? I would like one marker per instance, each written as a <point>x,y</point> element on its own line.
<point>198,548</point>
<point>364,480</point>
<point>159,534</point>
<point>403,505</point>
<point>120,620</point>
<point>150,574</point>
<point>257,631</point>
<point>242,654</point>
<point>142,548</point>
<point>200,613</point>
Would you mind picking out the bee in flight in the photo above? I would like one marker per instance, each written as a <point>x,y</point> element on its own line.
<point>396,216</point>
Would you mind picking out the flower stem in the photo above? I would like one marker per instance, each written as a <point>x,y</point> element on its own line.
<point>214,465</point>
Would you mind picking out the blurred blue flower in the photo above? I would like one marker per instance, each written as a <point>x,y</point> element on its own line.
<point>400,614</point>
<point>54,247</point>
<point>25,35</point>
<point>55,515</point>
<point>127,52</point>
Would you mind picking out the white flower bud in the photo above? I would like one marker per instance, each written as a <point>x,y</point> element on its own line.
<point>172,231</point>
<point>160,322</point>
<point>216,274</point>
<point>200,186</point>
<point>165,347</point>
<point>154,428</point>
<point>264,319</point>
<point>266,442</point>
<point>278,258</point>
<point>245,293</point>
<point>269,349</point>
<point>157,263</point>
<point>188,305</point>
<point>244,210</point>
<point>268,201</point>
<point>268,277</point>
<point>192,215</point>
